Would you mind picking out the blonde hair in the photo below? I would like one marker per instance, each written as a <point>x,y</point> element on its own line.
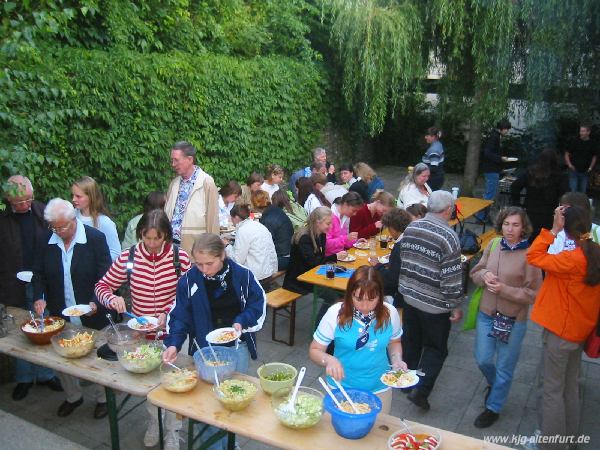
<point>385,198</point>
<point>364,171</point>
<point>311,228</point>
<point>209,244</point>
<point>92,189</point>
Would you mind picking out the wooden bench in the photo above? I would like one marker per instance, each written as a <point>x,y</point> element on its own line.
<point>282,299</point>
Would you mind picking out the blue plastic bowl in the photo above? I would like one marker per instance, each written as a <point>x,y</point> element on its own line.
<point>227,358</point>
<point>353,426</point>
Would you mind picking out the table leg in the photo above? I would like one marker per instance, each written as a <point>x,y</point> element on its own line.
<point>113,421</point>
<point>161,444</point>
<point>314,308</point>
<point>230,441</point>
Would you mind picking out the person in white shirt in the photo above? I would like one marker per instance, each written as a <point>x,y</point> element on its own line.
<point>414,187</point>
<point>228,196</point>
<point>309,192</point>
<point>561,242</point>
<point>274,177</point>
<point>253,247</point>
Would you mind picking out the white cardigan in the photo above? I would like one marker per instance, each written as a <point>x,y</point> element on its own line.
<point>410,195</point>
<point>254,248</point>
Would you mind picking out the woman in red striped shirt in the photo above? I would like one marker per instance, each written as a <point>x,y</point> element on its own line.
<point>153,281</point>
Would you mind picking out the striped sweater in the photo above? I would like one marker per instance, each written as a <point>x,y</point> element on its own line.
<point>153,280</point>
<point>431,270</point>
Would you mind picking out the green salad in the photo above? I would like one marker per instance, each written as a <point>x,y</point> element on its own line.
<point>279,376</point>
<point>144,358</point>
<point>308,411</point>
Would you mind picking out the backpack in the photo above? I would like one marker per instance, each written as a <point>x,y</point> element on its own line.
<point>130,258</point>
<point>469,241</point>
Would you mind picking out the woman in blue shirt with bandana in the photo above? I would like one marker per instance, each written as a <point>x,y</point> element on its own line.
<point>366,332</point>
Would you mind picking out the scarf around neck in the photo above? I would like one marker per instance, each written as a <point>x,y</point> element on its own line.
<point>363,338</point>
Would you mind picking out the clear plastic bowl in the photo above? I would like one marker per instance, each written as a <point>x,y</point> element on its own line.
<point>419,431</point>
<point>350,425</point>
<point>128,336</point>
<point>175,380</point>
<point>308,410</point>
<point>276,370</point>
<point>235,394</point>
<point>207,366</point>
<point>127,355</point>
<point>72,349</point>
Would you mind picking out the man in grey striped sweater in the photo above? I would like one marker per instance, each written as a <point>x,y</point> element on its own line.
<point>431,283</point>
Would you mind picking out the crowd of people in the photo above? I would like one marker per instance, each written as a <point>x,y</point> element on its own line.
<point>200,257</point>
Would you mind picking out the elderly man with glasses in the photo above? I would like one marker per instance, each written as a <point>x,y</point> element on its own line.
<point>69,263</point>
<point>22,226</point>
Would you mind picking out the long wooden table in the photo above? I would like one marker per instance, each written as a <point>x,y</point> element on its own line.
<point>338,283</point>
<point>109,374</point>
<point>258,422</point>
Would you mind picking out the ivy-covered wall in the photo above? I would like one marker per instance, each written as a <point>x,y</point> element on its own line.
<point>114,115</point>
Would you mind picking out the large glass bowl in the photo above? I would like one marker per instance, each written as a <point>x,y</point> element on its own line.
<point>140,357</point>
<point>52,325</point>
<point>175,380</point>
<point>224,365</point>
<point>275,376</point>
<point>126,334</point>
<point>235,394</point>
<point>351,425</point>
<point>308,409</point>
<point>74,343</point>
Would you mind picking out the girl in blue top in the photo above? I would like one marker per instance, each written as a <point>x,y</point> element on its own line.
<point>366,332</point>
<point>89,202</point>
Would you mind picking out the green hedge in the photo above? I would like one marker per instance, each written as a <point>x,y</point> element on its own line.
<point>113,116</point>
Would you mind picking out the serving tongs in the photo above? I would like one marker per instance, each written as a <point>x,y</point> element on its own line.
<point>41,326</point>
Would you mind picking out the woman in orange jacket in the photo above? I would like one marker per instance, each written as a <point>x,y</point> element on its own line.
<point>567,306</point>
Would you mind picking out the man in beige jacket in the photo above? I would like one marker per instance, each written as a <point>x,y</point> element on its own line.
<point>192,198</point>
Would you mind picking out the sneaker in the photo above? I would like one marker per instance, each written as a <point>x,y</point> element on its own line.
<point>151,436</point>
<point>172,440</point>
<point>419,399</point>
<point>486,419</point>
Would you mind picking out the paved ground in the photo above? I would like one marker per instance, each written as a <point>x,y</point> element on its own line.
<point>455,402</point>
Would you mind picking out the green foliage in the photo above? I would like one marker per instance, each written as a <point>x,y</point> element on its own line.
<point>114,115</point>
<point>379,45</point>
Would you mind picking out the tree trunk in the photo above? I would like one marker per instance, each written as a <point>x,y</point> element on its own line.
<point>472,157</point>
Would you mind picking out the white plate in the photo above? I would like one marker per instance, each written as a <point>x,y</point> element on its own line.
<point>348,258</point>
<point>134,325</point>
<point>360,254</point>
<point>361,245</point>
<point>25,276</point>
<point>76,310</point>
<point>384,259</point>
<point>257,215</point>
<point>511,159</point>
<point>414,379</point>
<point>222,335</point>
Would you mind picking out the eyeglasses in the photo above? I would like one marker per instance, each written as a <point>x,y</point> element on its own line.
<point>60,229</point>
<point>21,202</point>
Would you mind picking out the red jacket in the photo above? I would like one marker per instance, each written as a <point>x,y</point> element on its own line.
<point>364,223</point>
<point>565,305</point>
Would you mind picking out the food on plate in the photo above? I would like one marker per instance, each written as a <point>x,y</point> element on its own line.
<point>362,408</point>
<point>50,325</point>
<point>307,412</point>
<point>235,394</point>
<point>400,378</point>
<point>348,258</point>
<point>144,326</point>
<point>384,259</point>
<point>279,376</point>
<point>225,336</point>
<point>179,380</point>
<point>75,312</point>
<point>142,359</point>
<point>362,245</point>
<point>410,441</point>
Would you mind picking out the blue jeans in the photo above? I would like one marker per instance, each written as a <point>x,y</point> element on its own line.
<point>578,181</point>
<point>26,372</point>
<point>498,373</point>
<point>491,189</point>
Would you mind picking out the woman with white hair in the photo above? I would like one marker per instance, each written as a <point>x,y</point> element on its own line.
<point>414,188</point>
<point>69,263</point>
